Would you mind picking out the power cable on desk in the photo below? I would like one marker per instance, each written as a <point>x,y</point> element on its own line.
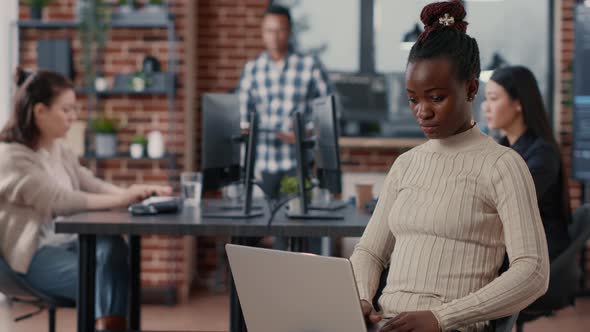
<point>274,210</point>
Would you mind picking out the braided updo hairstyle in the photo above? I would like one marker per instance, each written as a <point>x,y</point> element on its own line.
<point>445,36</point>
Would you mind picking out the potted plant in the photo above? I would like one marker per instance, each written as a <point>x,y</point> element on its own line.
<point>105,131</point>
<point>37,7</point>
<point>94,20</point>
<point>125,6</point>
<point>155,5</point>
<point>138,82</point>
<point>137,147</point>
<point>290,186</point>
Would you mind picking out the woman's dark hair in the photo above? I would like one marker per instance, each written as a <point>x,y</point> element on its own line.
<point>445,36</point>
<point>520,84</point>
<point>279,10</point>
<point>33,88</point>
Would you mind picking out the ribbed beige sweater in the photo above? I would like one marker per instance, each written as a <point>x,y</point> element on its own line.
<point>448,211</point>
<point>30,196</point>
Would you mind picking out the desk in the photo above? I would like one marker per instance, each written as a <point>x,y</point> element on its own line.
<point>298,230</point>
<point>188,222</point>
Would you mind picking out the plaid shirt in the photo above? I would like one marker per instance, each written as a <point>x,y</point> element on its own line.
<point>275,91</point>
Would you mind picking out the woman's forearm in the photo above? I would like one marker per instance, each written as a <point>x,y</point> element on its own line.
<point>105,201</point>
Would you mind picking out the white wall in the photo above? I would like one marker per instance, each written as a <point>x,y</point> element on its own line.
<point>517,29</point>
<point>334,23</point>
<point>8,42</point>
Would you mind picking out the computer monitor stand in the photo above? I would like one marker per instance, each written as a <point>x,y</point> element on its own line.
<point>331,205</point>
<point>301,144</point>
<point>246,210</point>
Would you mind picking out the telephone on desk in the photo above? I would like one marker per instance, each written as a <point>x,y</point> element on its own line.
<point>156,205</point>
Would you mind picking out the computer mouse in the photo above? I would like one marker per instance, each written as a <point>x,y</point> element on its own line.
<point>141,209</point>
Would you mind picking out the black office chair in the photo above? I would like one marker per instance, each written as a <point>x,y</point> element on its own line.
<point>565,273</point>
<point>505,324</point>
<point>17,289</point>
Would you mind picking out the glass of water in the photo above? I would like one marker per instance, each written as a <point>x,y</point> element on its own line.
<point>191,183</point>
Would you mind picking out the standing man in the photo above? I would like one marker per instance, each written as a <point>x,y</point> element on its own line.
<point>275,85</point>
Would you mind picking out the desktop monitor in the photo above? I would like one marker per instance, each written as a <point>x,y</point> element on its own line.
<point>245,209</point>
<point>363,96</point>
<point>327,151</point>
<point>302,144</point>
<point>400,121</point>
<point>364,102</point>
<point>220,140</point>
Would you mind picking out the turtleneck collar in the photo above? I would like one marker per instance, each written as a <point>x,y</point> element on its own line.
<point>467,140</point>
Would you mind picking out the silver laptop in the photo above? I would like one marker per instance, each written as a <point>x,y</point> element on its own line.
<point>295,292</point>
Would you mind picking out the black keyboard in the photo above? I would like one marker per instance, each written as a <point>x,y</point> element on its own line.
<point>157,204</point>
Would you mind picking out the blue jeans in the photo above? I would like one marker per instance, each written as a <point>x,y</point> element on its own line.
<point>54,270</point>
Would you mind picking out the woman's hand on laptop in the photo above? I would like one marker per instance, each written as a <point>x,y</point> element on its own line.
<point>416,321</point>
<point>371,316</point>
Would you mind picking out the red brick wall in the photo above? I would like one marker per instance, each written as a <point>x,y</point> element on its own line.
<point>162,257</point>
<point>363,160</point>
<point>228,35</point>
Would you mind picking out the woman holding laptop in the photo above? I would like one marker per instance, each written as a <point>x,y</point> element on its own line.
<point>451,208</point>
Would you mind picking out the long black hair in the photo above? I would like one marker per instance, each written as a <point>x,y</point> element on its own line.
<point>520,84</point>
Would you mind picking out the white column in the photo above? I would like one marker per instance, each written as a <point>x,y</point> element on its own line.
<point>8,60</point>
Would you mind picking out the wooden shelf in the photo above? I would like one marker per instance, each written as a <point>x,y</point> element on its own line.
<point>162,84</point>
<point>132,20</point>
<point>42,25</point>
<point>108,93</point>
<point>89,156</point>
<point>380,143</point>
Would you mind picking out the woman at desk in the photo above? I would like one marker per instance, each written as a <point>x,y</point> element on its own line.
<point>41,179</point>
<point>514,105</point>
<point>451,208</point>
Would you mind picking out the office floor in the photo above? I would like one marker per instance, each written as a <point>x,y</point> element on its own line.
<point>208,312</point>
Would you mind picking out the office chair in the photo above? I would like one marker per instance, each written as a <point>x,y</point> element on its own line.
<point>565,273</point>
<point>16,289</point>
<point>505,324</point>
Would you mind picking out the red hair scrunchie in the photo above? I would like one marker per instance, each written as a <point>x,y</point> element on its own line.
<point>443,15</point>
